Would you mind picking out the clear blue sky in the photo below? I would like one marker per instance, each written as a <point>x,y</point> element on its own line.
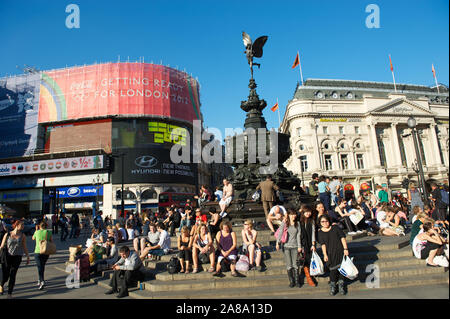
<point>204,37</point>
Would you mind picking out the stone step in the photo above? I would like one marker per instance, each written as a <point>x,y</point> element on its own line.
<point>257,279</point>
<point>277,267</point>
<point>282,290</point>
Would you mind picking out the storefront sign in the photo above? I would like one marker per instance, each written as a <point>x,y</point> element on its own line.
<point>79,191</point>
<point>53,166</point>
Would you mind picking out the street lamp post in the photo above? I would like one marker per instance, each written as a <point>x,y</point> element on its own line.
<point>412,126</point>
<point>97,182</point>
<point>121,155</point>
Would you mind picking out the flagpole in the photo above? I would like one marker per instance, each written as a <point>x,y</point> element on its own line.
<point>395,87</point>
<point>279,119</point>
<point>300,67</point>
<point>435,78</point>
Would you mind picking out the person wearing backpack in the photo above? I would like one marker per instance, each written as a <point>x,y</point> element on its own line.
<point>289,237</point>
<point>41,259</point>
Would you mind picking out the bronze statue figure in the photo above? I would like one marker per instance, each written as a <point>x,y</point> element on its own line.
<point>253,49</point>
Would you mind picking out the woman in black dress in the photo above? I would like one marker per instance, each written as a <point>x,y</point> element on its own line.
<point>308,238</point>
<point>334,247</point>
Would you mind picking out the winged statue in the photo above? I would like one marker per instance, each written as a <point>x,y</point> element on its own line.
<point>253,49</point>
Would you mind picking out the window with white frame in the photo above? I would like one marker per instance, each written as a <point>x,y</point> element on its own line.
<point>344,161</point>
<point>360,161</point>
<point>328,163</point>
<point>304,163</point>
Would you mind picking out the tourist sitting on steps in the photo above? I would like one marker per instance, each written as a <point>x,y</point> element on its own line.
<point>228,194</point>
<point>152,239</point>
<point>185,249</point>
<point>214,223</point>
<point>112,257</point>
<point>275,217</point>
<point>226,246</point>
<point>203,248</point>
<point>163,246</point>
<point>250,245</point>
<point>127,271</point>
<point>383,222</point>
<point>429,245</point>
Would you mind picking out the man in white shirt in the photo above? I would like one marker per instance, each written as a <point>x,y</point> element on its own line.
<point>334,190</point>
<point>127,271</point>
<point>163,246</point>
<point>275,217</point>
<point>228,194</point>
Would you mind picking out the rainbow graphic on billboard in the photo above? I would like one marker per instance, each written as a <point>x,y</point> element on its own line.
<point>53,101</point>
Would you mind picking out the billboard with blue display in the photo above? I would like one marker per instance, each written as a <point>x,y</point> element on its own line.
<point>80,191</point>
<point>19,100</point>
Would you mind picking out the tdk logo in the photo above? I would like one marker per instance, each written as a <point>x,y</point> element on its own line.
<point>146,161</point>
<point>73,191</point>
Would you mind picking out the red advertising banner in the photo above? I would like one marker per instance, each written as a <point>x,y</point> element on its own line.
<point>118,89</point>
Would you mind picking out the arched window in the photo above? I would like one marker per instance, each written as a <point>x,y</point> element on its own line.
<point>149,194</point>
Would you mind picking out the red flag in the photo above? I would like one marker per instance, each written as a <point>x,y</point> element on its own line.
<point>390,61</point>
<point>433,70</point>
<point>296,62</point>
<point>275,107</point>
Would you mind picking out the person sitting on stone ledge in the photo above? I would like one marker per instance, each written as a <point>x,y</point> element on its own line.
<point>250,245</point>
<point>203,245</point>
<point>185,249</point>
<point>228,194</point>
<point>163,246</point>
<point>226,245</point>
<point>152,239</point>
<point>127,271</point>
<point>275,217</point>
<point>429,245</point>
<point>122,233</point>
<point>112,257</point>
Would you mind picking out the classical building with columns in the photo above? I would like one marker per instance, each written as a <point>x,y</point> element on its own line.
<point>358,130</point>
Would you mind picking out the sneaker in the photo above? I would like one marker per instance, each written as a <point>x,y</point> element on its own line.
<point>41,286</point>
<point>351,233</point>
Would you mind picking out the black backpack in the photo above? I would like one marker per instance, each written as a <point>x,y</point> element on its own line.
<point>225,265</point>
<point>174,265</point>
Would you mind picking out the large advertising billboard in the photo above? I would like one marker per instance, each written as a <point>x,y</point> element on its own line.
<point>69,164</point>
<point>138,89</point>
<point>153,165</point>
<point>19,98</point>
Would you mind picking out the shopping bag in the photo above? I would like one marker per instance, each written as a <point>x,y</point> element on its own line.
<point>73,251</point>
<point>316,267</point>
<point>243,263</point>
<point>356,217</point>
<point>256,196</point>
<point>47,248</point>
<point>348,269</point>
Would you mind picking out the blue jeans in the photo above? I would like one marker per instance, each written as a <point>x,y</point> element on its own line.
<point>326,200</point>
<point>41,260</point>
<point>73,232</point>
<point>185,222</point>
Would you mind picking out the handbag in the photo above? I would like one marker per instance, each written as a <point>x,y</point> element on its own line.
<point>301,260</point>
<point>283,235</point>
<point>46,247</point>
<point>356,217</point>
<point>348,269</point>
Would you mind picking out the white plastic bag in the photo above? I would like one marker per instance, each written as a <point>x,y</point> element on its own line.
<point>316,267</point>
<point>348,269</point>
<point>243,263</point>
<point>356,217</point>
<point>256,196</point>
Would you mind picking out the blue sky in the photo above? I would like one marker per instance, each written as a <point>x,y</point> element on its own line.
<point>204,37</point>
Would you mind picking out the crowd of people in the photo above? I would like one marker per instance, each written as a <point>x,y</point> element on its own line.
<point>210,239</point>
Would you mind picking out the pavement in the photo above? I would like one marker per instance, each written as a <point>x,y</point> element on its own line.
<point>56,288</point>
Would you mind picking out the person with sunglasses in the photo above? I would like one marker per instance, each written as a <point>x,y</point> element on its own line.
<point>334,247</point>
